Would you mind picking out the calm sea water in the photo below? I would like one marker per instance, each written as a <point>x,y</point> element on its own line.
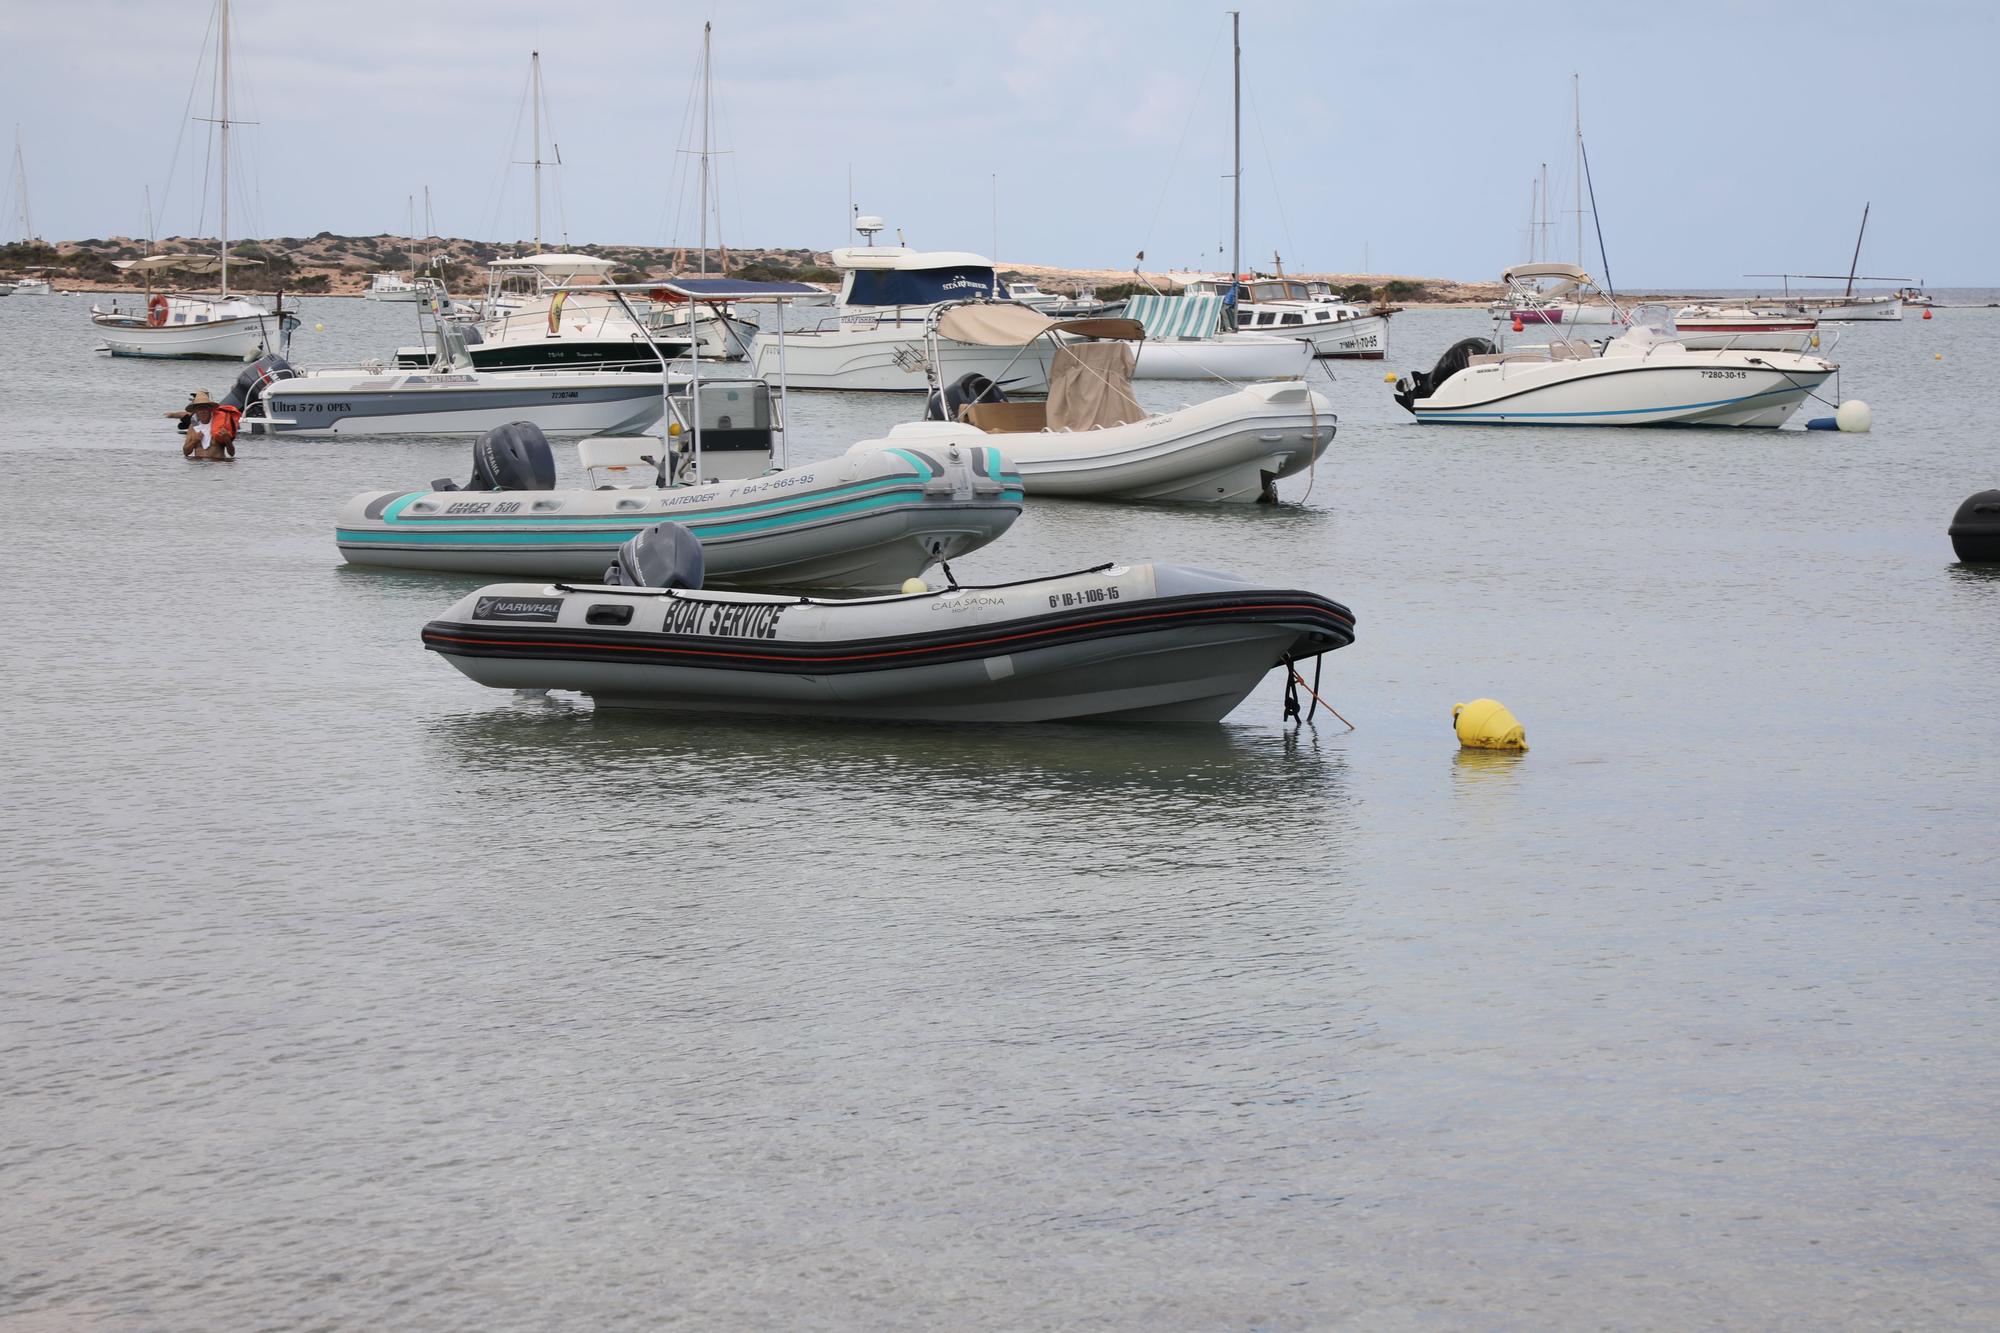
<point>336,991</point>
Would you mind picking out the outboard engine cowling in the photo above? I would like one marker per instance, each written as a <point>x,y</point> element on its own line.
<point>665,555</point>
<point>969,388</point>
<point>256,377</point>
<point>1456,358</point>
<point>513,457</point>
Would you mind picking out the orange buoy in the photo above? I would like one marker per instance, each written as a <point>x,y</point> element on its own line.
<point>156,310</point>
<point>1927,314</point>
<point>1518,326</point>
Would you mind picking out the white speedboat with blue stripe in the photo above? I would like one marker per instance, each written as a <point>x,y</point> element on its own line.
<point>1643,377</point>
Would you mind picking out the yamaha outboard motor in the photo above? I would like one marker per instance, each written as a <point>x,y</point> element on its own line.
<point>665,555</point>
<point>1456,358</point>
<point>968,388</point>
<point>259,374</point>
<point>513,457</point>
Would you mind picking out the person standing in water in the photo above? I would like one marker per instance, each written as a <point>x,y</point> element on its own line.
<point>210,428</point>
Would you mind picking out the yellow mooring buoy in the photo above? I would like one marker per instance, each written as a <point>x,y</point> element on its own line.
<point>1485,724</point>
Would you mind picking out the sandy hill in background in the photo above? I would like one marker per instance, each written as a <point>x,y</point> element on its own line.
<point>340,265</point>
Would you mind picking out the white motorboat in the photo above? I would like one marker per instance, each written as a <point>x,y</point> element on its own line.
<point>1091,439</point>
<point>1128,643</point>
<point>1708,326</point>
<point>1083,304</point>
<point>1917,297</point>
<point>1185,340</point>
<point>391,287</point>
<point>32,287</point>
<point>1557,294</point>
<point>1295,308</point>
<point>1642,377</point>
<point>450,399</point>
<point>876,339</point>
<point>556,312</point>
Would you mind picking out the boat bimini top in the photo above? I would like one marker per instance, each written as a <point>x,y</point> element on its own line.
<point>1090,374</point>
<point>1564,279</point>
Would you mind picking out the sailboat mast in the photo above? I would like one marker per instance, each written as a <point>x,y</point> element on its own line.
<point>1854,266</point>
<point>1576,106</point>
<point>1236,172</point>
<point>21,184</point>
<point>705,90</point>
<point>225,147</point>
<point>1542,233</point>
<point>535,96</point>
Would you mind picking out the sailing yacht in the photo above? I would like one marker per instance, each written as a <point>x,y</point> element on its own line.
<point>23,286</point>
<point>1554,293</point>
<point>193,326</point>
<point>1850,304</point>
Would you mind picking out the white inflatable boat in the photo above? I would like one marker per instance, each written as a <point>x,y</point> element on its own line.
<point>863,521</point>
<point>1145,642</point>
<point>1091,439</point>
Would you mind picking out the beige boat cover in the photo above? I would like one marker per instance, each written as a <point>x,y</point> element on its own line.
<point>1090,384</point>
<point>993,325</point>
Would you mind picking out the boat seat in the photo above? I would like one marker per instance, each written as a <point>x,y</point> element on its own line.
<point>1006,418</point>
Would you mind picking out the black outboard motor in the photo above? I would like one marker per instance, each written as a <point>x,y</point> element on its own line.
<point>1456,358</point>
<point>1975,529</point>
<point>968,388</point>
<point>665,555</point>
<point>256,377</point>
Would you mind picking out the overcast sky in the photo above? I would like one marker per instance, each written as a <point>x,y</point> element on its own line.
<point>1725,138</point>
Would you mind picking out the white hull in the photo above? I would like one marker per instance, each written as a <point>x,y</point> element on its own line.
<point>1567,314</point>
<point>857,521</point>
<point>1226,450</point>
<point>1691,388</point>
<point>30,287</point>
<point>405,297</point>
<point>1860,308</point>
<point>1231,357</point>
<point>1747,340</point>
<point>463,403</point>
<point>241,339</point>
<point>1362,339</point>
<point>889,358</point>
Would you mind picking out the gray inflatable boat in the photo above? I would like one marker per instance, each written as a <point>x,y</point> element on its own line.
<point>1142,642</point>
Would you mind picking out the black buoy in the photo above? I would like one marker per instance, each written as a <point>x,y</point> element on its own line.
<point>1975,529</point>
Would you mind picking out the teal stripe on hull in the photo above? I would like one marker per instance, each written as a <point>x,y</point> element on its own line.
<point>492,533</point>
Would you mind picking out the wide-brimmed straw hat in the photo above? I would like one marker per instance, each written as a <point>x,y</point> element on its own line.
<point>199,398</point>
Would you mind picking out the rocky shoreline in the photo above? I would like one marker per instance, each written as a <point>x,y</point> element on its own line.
<point>329,265</point>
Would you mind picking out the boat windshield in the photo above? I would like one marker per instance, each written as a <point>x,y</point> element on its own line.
<point>1656,319</point>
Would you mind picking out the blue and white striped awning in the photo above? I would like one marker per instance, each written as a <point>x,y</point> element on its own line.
<point>1176,316</point>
